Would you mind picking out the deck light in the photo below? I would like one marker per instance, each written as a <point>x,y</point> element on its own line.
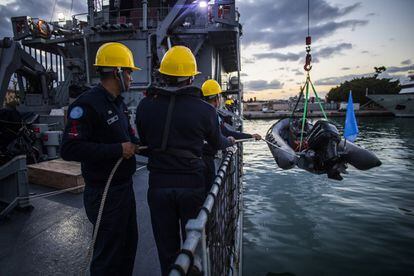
<point>202,4</point>
<point>61,17</point>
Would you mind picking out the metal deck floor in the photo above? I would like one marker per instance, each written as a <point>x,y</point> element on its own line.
<point>53,238</point>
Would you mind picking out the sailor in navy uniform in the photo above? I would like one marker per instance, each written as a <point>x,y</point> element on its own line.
<point>211,90</point>
<point>97,134</point>
<point>174,122</point>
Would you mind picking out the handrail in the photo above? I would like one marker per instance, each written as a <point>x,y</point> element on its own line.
<point>197,249</point>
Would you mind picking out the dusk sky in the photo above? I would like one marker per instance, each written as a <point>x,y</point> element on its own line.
<point>349,38</point>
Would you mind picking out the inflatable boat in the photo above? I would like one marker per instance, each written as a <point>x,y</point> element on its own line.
<point>321,149</point>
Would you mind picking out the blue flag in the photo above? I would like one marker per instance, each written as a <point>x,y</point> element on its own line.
<point>351,127</point>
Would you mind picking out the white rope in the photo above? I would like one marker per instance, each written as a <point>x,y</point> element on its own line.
<point>101,207</point>
<point>279,148</point>
<point>98,219</point>
<point>245,140</point>
<point>44,195</point>
<point>58,192</point>
<point>140,168</point>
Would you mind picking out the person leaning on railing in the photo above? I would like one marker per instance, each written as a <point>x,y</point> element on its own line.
<point>174,122</point>
<point>211,93</point>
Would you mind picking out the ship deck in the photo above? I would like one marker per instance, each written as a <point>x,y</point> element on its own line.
<point>53,238</point>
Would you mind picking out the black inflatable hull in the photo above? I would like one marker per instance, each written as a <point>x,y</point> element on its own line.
<point>286,158</point>
<point>358,157</point>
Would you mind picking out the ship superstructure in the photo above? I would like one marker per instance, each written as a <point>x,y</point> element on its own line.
<point>51,63</point>
<point>401,104</point>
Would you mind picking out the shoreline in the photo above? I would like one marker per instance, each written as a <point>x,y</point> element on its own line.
<point>254,115</point>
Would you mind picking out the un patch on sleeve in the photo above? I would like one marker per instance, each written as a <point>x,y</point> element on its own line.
<point>76,113</point>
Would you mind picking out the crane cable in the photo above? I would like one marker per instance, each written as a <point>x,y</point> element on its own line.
<point>307,67</point>
<point>308,17</point>
<point>53,11</point>
<point>54,7</point>
<point>71,8</point>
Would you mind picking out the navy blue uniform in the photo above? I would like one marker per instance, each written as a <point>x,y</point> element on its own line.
<point>176,179</point>
<point>209,153</point>
<point>97,125</point>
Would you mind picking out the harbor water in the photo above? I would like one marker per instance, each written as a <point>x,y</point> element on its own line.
<point>298,223</point>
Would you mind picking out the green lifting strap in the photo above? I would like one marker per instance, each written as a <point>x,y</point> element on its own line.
<point>305,113</point>
<point>319,102</point>
<point>305,109</point>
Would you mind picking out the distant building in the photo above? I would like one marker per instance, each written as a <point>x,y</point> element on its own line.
<point>280,105</point>
<point>344,105</point>
<point>252,106</point>
<point>287,105</point>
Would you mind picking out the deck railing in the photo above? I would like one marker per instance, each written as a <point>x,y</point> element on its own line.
<point>213,243</point>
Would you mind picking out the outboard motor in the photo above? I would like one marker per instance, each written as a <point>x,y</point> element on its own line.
<point>322,150</point>
<point>323,139</point>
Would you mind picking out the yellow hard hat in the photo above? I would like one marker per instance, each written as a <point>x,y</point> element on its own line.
<point>115,54</point>
<point>210,88</point>
<point>229,102</point>
<point>179,61</point>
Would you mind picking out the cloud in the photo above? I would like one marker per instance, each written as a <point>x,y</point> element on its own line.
<point>389,73</point>
<point>259,85</point>
<point>330,51</point>
<point>248,60</point>
<point>338,80</point>
<point>396,69</point>
<point>38,9</point>
<point>406,62</point>
<point>325,52</point>
<point>297,72</point>
<point>395,76</point>
<point>281,39</point>
<point>279,56</point>
<point>283,23</point>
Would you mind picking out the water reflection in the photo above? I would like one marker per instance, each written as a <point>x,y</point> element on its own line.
<point>307,224</point>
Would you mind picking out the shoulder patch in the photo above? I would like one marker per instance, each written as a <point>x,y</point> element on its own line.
<point>76,112</point>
